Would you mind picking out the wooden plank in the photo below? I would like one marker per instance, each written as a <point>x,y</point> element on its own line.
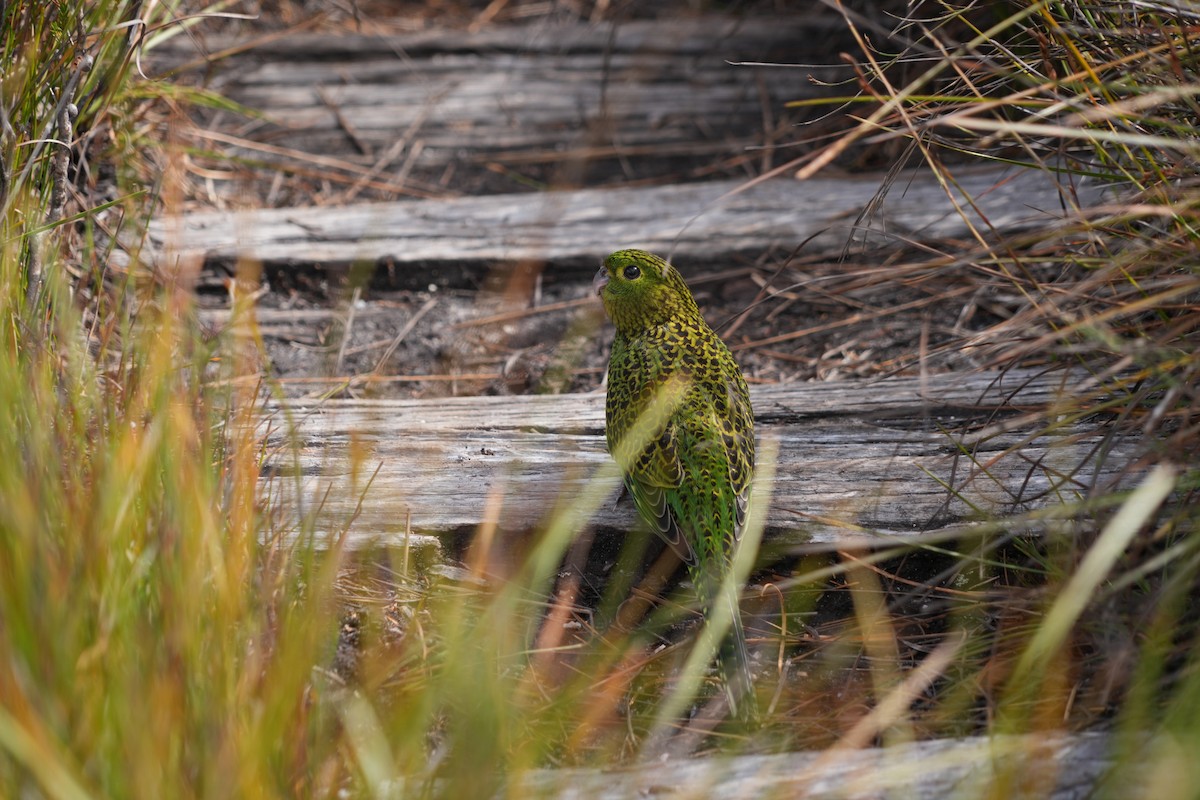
<point>888,455</point>
<point>703,35</point>
<point>548,88</point>
<point>696,222</point>
<point>1051,765</point>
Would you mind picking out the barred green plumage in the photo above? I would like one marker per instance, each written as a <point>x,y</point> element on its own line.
<point>679,423</point>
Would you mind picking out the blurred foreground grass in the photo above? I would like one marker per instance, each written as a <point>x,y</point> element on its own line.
<point>155,638</point>
<point>165,633</point>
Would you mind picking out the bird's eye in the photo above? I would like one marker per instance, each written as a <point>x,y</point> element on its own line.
<point>631,273</point>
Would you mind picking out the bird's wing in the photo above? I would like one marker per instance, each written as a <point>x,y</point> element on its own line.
<point>651,502</point>
<point>740,448</point>
<point>656,472</point>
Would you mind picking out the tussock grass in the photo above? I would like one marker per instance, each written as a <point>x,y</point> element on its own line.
<point>157,639</point>
<point>166,631</point>
<point>1099,92</point>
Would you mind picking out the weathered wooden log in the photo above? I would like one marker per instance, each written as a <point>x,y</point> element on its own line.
<point>1052,766</point>
<point>635,90</point>
<point>705,222</point>
<point>895,457</point>
<point>705,35</point>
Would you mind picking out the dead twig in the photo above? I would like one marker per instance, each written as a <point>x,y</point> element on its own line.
<point>408,326</point>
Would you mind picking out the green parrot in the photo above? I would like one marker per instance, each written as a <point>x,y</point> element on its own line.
<point>679,424</point>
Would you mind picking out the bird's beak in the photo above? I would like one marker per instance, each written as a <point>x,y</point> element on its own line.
<point>600,281</point>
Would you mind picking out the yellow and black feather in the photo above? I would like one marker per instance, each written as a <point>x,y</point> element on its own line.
<point>691,469</point>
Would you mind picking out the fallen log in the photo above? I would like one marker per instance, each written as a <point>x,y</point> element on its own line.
<point>697,222</point>
<point>856,460</point>
<point>412,103</point>
<point>1055,766</point>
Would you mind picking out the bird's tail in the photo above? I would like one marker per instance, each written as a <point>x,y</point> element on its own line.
<point>734,661</point>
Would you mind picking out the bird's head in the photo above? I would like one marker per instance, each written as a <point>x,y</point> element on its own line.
<point>640,290</point>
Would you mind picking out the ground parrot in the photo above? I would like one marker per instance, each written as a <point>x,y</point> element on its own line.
<point>680,426</point>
